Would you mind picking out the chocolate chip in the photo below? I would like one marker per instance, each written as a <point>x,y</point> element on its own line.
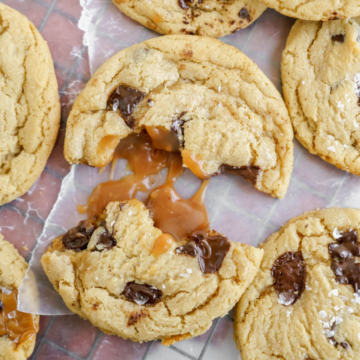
<point>209,249</point>
<point>289,273</point>
<point>184,4</point>
<point>106,241</point>
<point>177,127</point>
<point>135,317</point>
<point>124,99</point>
<point>343,265</point>
<point>248,172</point>
<point>338,38</point>
<point>244,14</point>
<point>347,272</point>
<point>142,294</point>
<point>346,247</point>
<point>1,306</point>
<point>344,344</point>
<point>77,238</point>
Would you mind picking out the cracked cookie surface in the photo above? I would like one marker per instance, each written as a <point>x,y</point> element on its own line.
<point>320,319</point>
<point>12,271</point>
<point>213,18</point>
<point>321,80</point>
<point>30,107</point>
<point>221,106</point>
<point>124,290</point>
<point>316,9</point>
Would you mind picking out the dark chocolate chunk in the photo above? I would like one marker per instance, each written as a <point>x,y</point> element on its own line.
<point>346,247</point>
<point>344,344</point>
<point>209,249</point>
<point>142,294</point>
<point>338,38</point>
<point>77,238</point>
<point>343,265</point>
<point>248,172</point>
<point>289,273</point>
<point>244,14</point>
<point>184,4</point>
<point>106,241</point>
<point>347,271</point>
<point>1,306</point>
<point>124,99</point>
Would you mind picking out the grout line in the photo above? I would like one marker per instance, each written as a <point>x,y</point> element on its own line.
<point>147,350</point>
<point>33,357</point>
<point>47,16</point>
<point>182,352</point>
<point>60,12</point>
<point>203,351</point>
<point>93,348</point>
<point>67,352</point>
<point>23,213</point>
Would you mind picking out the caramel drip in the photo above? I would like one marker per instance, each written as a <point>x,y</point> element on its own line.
<point>163,139</point>
<point>162,244</point>
<point>143,159</point>
<point>18,326</point>
<point>82,209</point>
<point>194,164</point>
<point>176,217</point>
<point>105,149</point>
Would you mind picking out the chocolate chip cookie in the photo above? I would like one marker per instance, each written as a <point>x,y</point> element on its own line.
<point>223,111</point>
<point>17,330</point>
<point>316,9</point>
<point>125,276</point>
<point>30,107</point>
<point>321,75</point>
<point>305,300</point>
<point>193,17</point>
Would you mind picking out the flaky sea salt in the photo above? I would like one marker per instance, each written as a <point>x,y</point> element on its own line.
<point>323,314</point>
<point>334,292</point>
<point>331,148</point>
<point>340,105</point>
<point>189,271</point>
<point>357,84</point>
<point>282,300</point>
<point>336,234</point>
<point>151,103</point>
<point>308,288</point>
<point>288,313</point>
<point>220,105</point>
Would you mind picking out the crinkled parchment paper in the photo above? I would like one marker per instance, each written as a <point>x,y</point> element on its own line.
<point>235,207</point>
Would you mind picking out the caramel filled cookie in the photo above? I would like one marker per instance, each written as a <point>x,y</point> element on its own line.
<point>316,9</point>
<point>17,330</point>
<point>29,104</point>
<point>321,75</point>
<point>207,98</point>
<point>200,17</point>
<point>130,279</point>
<point>305,300</point>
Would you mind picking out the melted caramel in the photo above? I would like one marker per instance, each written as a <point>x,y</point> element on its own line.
<point>175,216</point>
<point>194,164</point>
<point>105,149</point>
<point>162,244</point>
<point>18,326</point>
<point>163,139</point>
<point>82,209</point>
<point>143,159</point>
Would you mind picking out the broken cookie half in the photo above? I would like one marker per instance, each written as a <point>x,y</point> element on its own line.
<point>130,279</point>
<point>191,94</point>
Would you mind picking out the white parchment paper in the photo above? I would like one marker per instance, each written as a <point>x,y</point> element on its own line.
<point>235,207</point>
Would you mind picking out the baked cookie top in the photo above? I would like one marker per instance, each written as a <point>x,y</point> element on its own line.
<point>321,77</point>
<point>305,300</point>
<point>217,101</point>
<point>316,9</point>
<point>113,273</point>
<point>200,17</point>
<point>29,104</point>
<point>17,330</point>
